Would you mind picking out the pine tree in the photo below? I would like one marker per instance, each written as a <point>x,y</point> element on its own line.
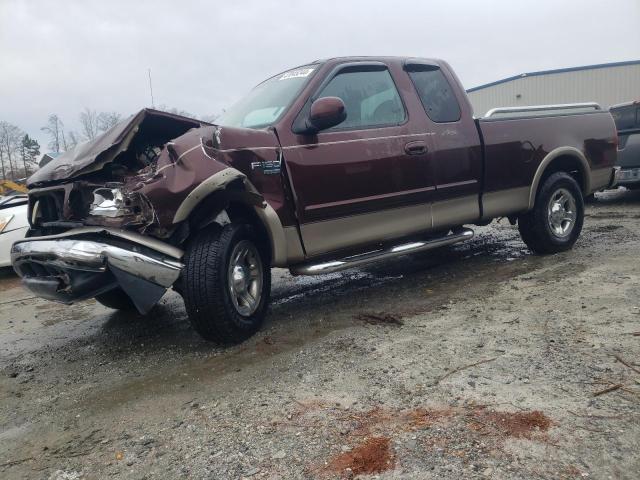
<point>29,151</point>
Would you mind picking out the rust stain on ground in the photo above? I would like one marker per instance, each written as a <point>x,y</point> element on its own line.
<point>425,417</point>
<point>372,429</point>
<point>517,425</point>
<point>374,455</point>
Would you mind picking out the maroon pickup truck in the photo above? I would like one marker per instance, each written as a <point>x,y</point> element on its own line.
<point>324,167</point>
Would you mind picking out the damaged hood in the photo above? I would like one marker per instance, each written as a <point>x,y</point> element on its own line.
<point>92,155</point>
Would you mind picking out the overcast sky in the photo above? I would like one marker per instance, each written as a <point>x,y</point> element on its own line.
<point>61,56</point>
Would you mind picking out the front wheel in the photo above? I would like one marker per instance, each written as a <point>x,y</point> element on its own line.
<point>227,283</point>
<point>555,222</point>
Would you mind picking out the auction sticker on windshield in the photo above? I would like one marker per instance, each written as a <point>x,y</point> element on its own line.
<point>297,73</point>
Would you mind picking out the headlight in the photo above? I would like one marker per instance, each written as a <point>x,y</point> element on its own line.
<point>4,220</point>
<point>108,202</point>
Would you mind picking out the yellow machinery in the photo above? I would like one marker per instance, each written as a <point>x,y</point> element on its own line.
<point>6,186</point>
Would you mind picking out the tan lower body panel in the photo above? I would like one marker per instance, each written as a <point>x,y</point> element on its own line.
<point>295,253</point>
<point>329,235</point>
<point>505,202</point>
<point>457,211</point>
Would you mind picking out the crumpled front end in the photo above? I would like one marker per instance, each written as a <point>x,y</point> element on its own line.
<point>138,175</point>
<point>86,262</point>
<point>105,182</point>
<point>112,212</point>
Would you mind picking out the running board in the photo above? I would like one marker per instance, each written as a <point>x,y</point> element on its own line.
<point>377,255</point>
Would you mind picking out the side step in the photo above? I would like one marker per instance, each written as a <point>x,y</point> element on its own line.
<point>389,252</point>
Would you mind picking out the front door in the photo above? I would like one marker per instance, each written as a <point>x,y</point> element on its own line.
<point>368,179</point>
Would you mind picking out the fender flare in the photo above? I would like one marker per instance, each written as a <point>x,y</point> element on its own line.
<point>265,212</point>
<point>550,157</point>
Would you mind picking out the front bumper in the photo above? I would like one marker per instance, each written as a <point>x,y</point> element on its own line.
<point>84,263</point>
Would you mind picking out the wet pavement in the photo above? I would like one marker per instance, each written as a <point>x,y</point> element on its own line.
<point>86,392</point>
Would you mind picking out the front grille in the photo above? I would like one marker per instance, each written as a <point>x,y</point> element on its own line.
<point>50,206</point>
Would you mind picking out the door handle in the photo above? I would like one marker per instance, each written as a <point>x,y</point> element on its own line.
<point>416,148</point>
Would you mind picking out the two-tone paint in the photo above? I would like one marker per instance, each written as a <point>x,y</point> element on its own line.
<point>345,189</point>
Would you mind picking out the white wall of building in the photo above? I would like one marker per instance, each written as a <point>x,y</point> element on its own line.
<point>605,85</point>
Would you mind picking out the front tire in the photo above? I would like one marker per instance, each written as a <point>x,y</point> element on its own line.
<point>227,283</point>
<point>555,222</point>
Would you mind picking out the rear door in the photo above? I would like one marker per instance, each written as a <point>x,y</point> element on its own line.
<point>367,179</point>
<point>457,156</point>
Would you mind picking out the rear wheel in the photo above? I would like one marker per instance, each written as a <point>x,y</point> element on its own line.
<point>555,222</point>
<point>116,299</point>
<point>227,283</point>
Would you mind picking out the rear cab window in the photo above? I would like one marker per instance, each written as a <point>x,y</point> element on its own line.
<point>370,97</point>
<point>435,92</point>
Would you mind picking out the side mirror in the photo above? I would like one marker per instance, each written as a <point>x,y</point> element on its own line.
<point>325,113</point>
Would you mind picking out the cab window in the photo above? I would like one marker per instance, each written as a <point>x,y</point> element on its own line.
<point>370,97</point>
<point>437,96</point>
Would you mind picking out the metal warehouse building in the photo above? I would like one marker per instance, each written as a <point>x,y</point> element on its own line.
<point>607,84</point>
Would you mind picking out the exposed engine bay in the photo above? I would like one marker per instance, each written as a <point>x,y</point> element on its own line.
<point>103,177</point>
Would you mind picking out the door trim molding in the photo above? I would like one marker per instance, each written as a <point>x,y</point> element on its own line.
<point>382,196</point>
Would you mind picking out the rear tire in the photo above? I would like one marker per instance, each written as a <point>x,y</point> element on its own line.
<point>116,299</point>
<point>555,222</point>
<point>227,283</point>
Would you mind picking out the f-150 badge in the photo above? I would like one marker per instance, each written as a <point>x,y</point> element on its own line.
<point>268,167</point>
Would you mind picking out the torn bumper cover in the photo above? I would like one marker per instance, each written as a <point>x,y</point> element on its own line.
<point>84,263</point>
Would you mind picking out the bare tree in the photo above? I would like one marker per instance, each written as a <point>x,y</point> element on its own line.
<point>10,139</point>
<point>72,140</point>
<point>55,129</point>
<point>89,123</point>
<point>106,120</point>
<point>4,172</point>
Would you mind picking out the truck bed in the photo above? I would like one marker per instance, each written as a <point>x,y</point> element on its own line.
<point>514,147</point>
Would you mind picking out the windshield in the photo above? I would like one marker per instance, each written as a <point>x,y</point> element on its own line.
<point>266,102</point>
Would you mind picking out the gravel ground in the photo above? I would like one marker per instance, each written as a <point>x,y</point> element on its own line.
<point>474,361</point>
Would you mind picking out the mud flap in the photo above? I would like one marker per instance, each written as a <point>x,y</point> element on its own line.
<point>143,294</point>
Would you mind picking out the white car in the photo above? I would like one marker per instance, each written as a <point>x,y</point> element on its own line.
<point>14,224</point>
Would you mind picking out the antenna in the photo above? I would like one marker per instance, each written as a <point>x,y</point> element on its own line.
<point>151,89</point>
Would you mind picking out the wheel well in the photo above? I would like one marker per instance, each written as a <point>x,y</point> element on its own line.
<point>207,213</point>
<point>565,163</point>
<point>241,212</point>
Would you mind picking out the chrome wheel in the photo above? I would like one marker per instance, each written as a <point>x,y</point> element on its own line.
<point>244,278</point>
<point>562,213</point>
